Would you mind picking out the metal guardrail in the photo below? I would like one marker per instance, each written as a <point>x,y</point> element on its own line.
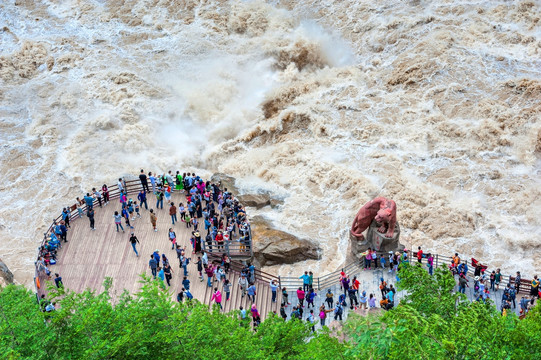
<point>320,282</point>
<point>332,278</point>
<point>442,260</point>
<point>131,186</point>
<point>232,248</point>
<point>238,266</point>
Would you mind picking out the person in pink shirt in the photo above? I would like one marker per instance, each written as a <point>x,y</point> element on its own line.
<point>255,313</point>
<point>217,296</point>
<point>201,187</point>
<point>300,295</point>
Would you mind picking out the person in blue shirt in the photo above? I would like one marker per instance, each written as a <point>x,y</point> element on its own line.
<point>274,287</point>
<point>58,280</point>
<point>89,200</point>
<point>54,240</point>
<point>161,276</point>
<point>251,292</point>
<point>342,300</point>
<point>186,283</point>
<point>153,265</point>
<point>463,268</point>
<point>390,296</point>
<point>156,255</point>
<point>142,197</point>
<point>63,232</point>
<point>152,179</point>
<point>305,281</point>
<point>66,217</point>
<point>310,298</point>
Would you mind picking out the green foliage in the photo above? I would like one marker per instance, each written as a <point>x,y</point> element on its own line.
<point>21,335</point>
<point>433,322</point>
<point>149,325</point>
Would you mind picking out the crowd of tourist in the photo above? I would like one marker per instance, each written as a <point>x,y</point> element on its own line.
<point>218,215</point>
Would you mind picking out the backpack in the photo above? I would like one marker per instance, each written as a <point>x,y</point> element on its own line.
<point>322,315</point>
<point>338,310</point>
<point>383,285</point>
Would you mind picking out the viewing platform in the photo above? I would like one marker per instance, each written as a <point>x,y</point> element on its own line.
<point>91,255</point>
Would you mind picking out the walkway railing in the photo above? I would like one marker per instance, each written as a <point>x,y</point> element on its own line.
<point>327,280</point>
<point>238,266</point>
<point>232,248</point>
<point>442,260</point>
<point>131,186</point>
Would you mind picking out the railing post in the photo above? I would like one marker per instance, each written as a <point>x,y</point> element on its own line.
<point>318,288</point>
<point>279,282</point>
<point>436,260</point>
<point>250,239</point>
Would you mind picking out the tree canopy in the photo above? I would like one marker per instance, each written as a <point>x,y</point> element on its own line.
<point>148,324</point>
<point>431,322</point>
<point>434,322</point>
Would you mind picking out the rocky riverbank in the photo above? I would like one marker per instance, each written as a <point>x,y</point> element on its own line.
<point>6,277</point>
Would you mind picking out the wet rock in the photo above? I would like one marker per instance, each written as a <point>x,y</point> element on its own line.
<point>274,247</point>
<point>5,274</point>
<point>226,181</point>
<point>274,203</point>
<point>255,200</point>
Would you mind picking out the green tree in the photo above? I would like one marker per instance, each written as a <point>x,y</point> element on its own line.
<point>146,325</point>
<point>23,329</point>
<point>433,322</point>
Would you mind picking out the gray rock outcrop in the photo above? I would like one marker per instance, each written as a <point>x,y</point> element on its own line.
<point>255,200</point>
<point>5,274</point>
<point>226,181</point>
<point>273,246</point>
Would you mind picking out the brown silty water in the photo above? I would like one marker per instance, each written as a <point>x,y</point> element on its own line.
<point>325,104</point>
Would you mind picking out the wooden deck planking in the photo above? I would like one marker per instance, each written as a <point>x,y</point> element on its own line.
<point>90,256</point>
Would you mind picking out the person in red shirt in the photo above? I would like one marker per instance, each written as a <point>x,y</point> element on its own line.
<point>419,255</point>
<point>220,240</point>
<point>355,284</point>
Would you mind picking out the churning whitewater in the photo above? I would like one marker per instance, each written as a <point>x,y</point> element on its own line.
<point>435,104</point>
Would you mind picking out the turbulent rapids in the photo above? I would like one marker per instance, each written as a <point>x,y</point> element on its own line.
<point>326,105</point>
